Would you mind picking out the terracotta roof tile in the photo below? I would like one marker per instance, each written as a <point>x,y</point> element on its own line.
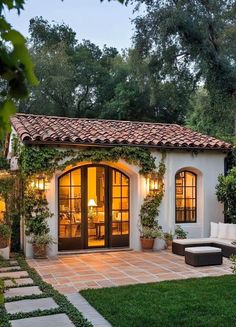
<point>47,129</point>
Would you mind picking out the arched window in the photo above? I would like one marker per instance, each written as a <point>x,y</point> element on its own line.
<point>186,197</point>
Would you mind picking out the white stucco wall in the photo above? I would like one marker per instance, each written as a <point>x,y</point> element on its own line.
<point>207,166</point>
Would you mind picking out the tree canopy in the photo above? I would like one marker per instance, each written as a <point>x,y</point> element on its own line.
<point>193,42</point>
<point>82,80</point>
<point>181,69</point>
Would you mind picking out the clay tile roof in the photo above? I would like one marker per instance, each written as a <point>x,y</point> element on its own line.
<point>61,130</point>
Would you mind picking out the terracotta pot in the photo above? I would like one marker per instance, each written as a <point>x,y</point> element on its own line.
<point>4,242</point>
<point>40,251</point>
<point>147,243</point>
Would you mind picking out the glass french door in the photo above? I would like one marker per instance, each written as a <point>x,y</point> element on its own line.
<point>93,208</point>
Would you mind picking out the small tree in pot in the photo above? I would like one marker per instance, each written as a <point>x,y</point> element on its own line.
<point>36,214</point>
<point>149,227</point>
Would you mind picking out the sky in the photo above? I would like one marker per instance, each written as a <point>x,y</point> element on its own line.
<point>100,22</point>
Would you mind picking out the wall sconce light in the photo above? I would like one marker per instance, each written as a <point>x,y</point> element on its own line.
<point>40,183</point>
<point>152,183</point>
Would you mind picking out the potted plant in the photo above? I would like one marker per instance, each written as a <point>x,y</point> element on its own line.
<point>180,233</point>
<point>149,227</point>
<point>168,237</point>
<point>40,245</point>
<point>5,237</point>
<point>148,236</point>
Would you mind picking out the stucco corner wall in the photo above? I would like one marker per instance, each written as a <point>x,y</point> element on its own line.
<point>207,166</point>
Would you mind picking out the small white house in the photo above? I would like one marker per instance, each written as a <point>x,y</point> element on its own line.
<point>97,205</point>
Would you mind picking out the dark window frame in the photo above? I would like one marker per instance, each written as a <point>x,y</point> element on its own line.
<point>185,209</point>
<point>122,240</point>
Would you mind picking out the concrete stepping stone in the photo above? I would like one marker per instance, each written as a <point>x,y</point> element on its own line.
<point>22,291</point>
<point>13,274</point>
<point>58,320</point>
<point>88,311</point>
<point>18,282</point>
<point>13,262</point>
<point>10,268</point>
<point>30,305</point>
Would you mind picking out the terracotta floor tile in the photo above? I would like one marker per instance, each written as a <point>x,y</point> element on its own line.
<point>95,270</point>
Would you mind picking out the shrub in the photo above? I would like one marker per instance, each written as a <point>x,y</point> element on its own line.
<point>5,232</point>
<point>180,233</point>
<point>226,193</point>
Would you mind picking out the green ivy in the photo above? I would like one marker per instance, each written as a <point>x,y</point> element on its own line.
<point>36,160</point>
<point>150,207</point>
<point>46,160</point>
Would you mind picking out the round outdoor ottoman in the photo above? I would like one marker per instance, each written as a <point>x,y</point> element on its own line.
<point>203,256</point>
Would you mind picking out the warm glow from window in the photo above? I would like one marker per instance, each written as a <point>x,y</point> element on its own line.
<point>2,209</point>
<point>185,194</point>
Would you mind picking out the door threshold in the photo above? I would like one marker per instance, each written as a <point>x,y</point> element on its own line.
<point>86,251</point>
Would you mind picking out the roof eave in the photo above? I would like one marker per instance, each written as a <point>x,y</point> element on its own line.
<point>109,145</point>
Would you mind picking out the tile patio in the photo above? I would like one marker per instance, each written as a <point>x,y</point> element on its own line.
<point>72,273</point>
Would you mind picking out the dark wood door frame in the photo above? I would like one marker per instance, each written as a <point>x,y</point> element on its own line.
<point>110,240</point>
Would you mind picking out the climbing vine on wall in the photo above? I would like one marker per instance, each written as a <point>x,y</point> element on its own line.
<point>46,160</point>
<point>150,207</point>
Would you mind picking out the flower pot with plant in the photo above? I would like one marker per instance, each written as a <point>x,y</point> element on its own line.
<point>180,233</point>
<point>36,214</point>
<point>149,227</point>
<point>40,245</point>
<point>148,236</point>
<point>168,237</point>
<point>5,235</point>
<point>5,238</point>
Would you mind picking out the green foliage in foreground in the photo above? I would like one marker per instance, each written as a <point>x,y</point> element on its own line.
<point>226,193</point>
<point>208,302</point>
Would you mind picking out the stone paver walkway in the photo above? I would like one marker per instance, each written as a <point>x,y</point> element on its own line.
<point>58,320</point>
<point>22,291</point>
<point>88,311</point>
<point>72,273</point>
<point>30,305</point>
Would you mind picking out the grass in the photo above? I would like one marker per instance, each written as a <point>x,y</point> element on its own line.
<point>203,302</point>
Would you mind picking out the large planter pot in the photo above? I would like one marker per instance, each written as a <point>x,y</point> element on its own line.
<point>5,251</point>
<point>147,243</point>
<point>4,242</point>
<point>39,251</point>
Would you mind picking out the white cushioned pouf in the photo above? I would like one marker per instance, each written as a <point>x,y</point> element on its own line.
<point>224,231</point>
<point>232,232</point>
<point>214,229</point>
<point>203,249</point>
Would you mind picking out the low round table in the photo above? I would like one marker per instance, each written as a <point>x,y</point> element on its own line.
<point>203,256</point>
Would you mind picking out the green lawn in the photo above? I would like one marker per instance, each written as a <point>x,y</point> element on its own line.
<point>203,302</point>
